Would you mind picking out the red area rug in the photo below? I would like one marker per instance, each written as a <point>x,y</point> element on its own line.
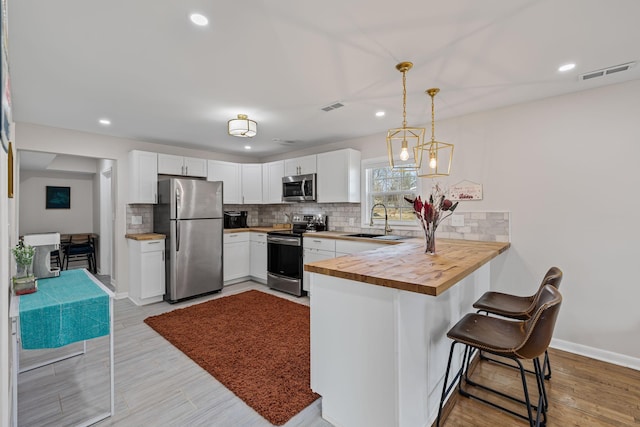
<point>254,343</point>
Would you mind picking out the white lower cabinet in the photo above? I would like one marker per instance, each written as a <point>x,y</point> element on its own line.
<point>258,254</point>
<point>236,257</point>
<point>146,271</point>
<point>316,249</point>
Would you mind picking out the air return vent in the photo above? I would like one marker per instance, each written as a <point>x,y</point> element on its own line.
<point>606,71</point>
<point>332,107</point>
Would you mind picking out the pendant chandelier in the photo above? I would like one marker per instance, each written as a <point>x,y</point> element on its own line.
<point>242,127</point>
<point>439,153</point>
<point>399,139</point>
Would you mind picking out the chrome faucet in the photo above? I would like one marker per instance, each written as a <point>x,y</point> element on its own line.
<point>387,229</point>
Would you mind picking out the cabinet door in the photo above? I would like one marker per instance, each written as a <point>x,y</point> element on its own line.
<point>229,174</point>
<point>195,167</point>
<point>313,255</point>
<point>152,266</point>
<point>143,177</point>
<point>236,260</point>
<point>339,176</point>
<point>300,165</point>
<point>272,181</point>
<point>251,183</point>
<point>259,260</point>
<point>170,165</point>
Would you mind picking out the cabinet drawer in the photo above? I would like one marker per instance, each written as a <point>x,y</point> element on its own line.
<point>236,237</point>
<point>322,244</point>
<point>151,245</point>
<point>258,237</point>
<point>353,247</point>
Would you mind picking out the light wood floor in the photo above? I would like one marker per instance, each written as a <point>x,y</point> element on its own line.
<point>157,385</point>
<point>582,392</point>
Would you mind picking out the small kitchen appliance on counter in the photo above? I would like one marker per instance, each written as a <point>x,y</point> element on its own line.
<point>284,253</point>
<point>235,219</point>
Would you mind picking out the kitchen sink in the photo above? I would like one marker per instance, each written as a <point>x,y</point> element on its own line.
<point>377,236</point>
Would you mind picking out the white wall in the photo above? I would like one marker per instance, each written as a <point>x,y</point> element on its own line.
<point>35,218</point>
<point>567,169</point>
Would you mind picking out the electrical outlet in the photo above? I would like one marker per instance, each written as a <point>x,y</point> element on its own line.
<point>136,219</point>
<point>352,221</point>
<point>457,220</point>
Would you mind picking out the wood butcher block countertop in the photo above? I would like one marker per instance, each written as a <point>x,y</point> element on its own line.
<point>145,236</point>
<point>405,266</point>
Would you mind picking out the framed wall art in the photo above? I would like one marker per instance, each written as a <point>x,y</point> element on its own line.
<point>58,197</point>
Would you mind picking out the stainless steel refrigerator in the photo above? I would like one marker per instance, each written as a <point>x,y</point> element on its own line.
<point>189,212</point>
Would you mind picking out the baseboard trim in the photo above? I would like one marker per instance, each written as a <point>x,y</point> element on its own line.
<point>122,295</point>
<point>598,354</point>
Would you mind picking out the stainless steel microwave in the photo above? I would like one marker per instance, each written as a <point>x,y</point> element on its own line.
<point>299,188</point>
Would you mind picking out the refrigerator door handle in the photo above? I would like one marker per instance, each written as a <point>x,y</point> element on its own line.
<point>177,235</point>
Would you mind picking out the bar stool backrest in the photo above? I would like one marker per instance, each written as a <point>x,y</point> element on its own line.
<point>553,278</point>
<point>539,328</point>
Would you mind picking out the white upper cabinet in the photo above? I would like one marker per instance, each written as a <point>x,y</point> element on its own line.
<point>251,183</point>
<point>230,174</point>
<point>339,176</point>
<point>143,177</point>
<point>184,166</point>
<point>300,165</point>
<point>272,174</point>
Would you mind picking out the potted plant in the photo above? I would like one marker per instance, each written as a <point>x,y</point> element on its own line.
<point>24,282</point>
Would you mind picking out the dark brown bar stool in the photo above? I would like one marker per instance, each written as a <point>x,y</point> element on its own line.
<point>518,307</point>
<point>515,340</point>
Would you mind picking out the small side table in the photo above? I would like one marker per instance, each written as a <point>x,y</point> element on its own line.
<point>37,322</point>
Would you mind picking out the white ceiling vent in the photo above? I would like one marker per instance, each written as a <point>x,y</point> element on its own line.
<point>332,107</point>
<point>606,71</point>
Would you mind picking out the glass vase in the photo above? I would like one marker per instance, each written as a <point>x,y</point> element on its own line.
<point>430,240</point>
<point>24,270</point>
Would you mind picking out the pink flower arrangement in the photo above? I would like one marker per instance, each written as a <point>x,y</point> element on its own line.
<point>431,214</point>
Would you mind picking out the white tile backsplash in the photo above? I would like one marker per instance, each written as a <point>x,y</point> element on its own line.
<point>485,226</point>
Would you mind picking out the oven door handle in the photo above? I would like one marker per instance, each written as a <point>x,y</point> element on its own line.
<point>283,241</point>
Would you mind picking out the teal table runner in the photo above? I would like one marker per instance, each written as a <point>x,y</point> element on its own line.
<point>64,310</point>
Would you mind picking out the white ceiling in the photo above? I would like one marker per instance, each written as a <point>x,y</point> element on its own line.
<point>159,78</point>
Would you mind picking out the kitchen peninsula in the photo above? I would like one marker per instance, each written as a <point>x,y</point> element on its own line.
<point>378,327</point>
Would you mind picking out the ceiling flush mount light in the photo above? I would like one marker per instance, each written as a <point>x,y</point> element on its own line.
<point>199,19</point>
<point>104,122</point>
<point>243,127</point>
<point>380,114</point>
<point>247,147</point>
<point>566,67</point>
<point>440,153</point>
<point>403,136</point>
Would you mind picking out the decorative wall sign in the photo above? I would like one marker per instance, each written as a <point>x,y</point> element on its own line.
<point>465,190</point>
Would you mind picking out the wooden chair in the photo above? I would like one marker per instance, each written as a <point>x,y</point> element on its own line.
<point>80,247</point>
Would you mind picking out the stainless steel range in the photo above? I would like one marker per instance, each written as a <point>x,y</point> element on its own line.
<point>284,253</point>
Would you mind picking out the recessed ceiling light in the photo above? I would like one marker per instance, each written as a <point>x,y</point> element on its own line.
<point>104,122</point>
<point>380,114</point>
<point>199,19</point>
<point>566,67</point>
<point>247,147</point>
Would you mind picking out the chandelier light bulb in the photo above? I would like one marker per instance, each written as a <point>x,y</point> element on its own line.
<point>404,152</point>
<point>433,162</point>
